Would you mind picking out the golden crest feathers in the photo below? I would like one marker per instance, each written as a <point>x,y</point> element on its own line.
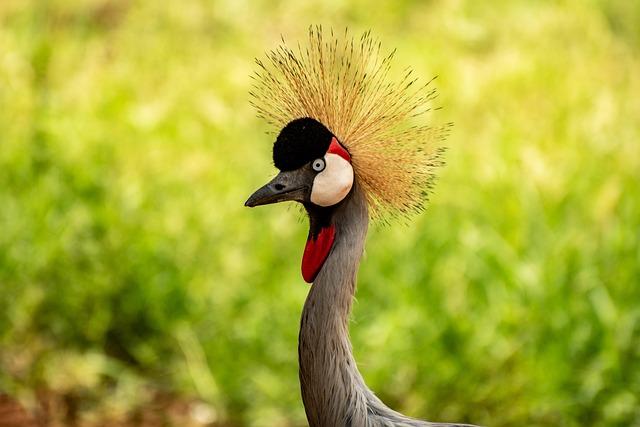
<point>344,84</point>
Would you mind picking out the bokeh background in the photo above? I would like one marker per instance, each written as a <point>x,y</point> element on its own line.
<point>135,288</point>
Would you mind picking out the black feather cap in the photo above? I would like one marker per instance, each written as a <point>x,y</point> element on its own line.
<point>301,141</point>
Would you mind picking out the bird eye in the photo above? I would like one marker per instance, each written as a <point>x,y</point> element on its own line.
<point>318,165</point>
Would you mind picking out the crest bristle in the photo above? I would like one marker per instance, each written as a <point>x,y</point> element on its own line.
<point>343,83</point>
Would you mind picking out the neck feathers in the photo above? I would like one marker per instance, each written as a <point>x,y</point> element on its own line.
<point>328,374</point>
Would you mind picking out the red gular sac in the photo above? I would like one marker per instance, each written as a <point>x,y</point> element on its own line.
<point>316,252</point>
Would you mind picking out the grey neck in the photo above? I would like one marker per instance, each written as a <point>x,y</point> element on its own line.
<point>331,384</point>
<point>333,391</point>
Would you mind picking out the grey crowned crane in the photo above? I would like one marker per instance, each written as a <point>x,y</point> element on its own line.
<point>346,152</point>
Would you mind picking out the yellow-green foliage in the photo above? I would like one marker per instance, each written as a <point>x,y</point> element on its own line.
<point>128,263</point>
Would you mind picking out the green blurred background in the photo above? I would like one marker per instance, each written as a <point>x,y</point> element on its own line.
<point>135,288</point>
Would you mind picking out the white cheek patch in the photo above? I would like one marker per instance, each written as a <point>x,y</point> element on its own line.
<point>334,183</point>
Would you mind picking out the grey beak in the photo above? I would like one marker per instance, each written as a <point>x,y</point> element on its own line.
<point>289,185</point>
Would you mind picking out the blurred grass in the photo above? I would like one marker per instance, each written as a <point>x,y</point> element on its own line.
<point>128,265</point>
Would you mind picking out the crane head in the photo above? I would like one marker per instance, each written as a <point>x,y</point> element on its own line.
<point>342,87</point>
<point>315,169</point>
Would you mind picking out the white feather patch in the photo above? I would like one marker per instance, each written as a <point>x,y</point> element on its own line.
<point>332,184</point>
